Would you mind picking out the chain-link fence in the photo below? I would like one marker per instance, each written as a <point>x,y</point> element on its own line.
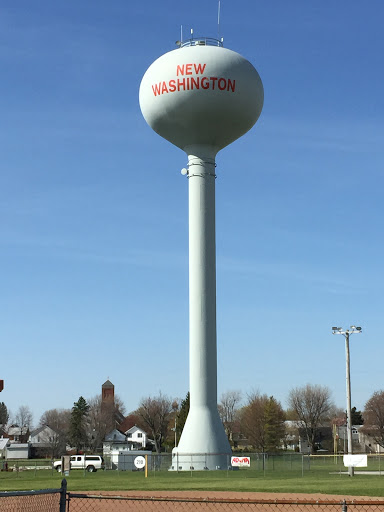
<point>288,463</point>
<point>92,503</point>
<point>265,463</point>
<point>59,500</point>
<point>47,500</point>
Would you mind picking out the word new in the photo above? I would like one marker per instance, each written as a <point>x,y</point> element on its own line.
<point>189,83</point>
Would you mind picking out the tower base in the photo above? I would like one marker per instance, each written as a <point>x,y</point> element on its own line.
<point>203,444</point>
<point>200,461</point>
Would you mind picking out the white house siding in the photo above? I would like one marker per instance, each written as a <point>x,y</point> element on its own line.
<point>18,451</point>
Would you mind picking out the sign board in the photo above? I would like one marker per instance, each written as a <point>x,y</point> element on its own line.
<point>356,461</point>
<point>241,462</point>
<point>139,462</point>
<point>65,464</point>
<point>1,384</point>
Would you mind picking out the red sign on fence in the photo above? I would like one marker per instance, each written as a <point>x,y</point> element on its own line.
<point>241,462</point>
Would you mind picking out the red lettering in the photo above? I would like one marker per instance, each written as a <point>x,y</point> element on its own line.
<point>213,80</point>
<point>164,88</point>
<point>231,85</point>
<point>189,83</point>
<point>199,68</point>
<point>181,83</point>
<point>195,82</point>
<point>156,89</point>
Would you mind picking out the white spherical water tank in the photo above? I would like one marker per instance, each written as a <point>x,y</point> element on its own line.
<point>201,97</point>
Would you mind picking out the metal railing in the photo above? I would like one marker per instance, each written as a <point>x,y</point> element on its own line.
<point>201,41</point>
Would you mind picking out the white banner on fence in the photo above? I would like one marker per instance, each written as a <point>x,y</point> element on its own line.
<point>356,461</point>
<point>241,462</point>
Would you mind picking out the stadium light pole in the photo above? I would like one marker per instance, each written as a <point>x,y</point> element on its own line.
<point>352,330</point>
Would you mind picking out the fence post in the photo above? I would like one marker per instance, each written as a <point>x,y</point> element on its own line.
<point>344,507</point>
<point>63,495</point>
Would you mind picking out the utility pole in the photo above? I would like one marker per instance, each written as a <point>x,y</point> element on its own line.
<point>353,330</point>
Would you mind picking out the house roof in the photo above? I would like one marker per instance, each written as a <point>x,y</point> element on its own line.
<point>38,430</point>
<point>115,435</point>
<point>14,430</point>
<point>135,428</point>
<point>3,442</point>
<point>107,384</point>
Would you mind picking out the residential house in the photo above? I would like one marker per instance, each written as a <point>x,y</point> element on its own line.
<point>18,451</point>
<point>45,442</point>
<point>136,438</point>
<point>116,441</point>
<point>17,434</point>
<point>342,438</point>
<point>291,440</point>
<point>368,444</point>
<point>3,447</point>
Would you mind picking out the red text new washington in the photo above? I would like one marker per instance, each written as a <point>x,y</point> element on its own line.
<point>189,83</point>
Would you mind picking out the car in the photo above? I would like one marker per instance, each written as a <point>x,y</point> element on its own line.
<point>89,462</point>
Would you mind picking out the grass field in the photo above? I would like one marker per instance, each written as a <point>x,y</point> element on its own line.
<point>323,476</point>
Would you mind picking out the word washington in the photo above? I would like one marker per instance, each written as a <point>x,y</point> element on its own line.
<point>189,83</point>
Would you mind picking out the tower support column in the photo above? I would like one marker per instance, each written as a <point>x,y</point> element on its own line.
<point>203,444</point>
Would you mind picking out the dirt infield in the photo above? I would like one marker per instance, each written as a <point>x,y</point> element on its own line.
<point>217,501</point>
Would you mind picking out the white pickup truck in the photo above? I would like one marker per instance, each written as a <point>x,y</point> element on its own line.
<point>89,462</point>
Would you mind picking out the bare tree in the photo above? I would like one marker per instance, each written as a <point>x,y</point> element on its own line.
<point>312,404</point>
<point>23,419</point>
<point>228,408</point>
<point>155,414</point>
<point>374,418</point>
<point>102,418</point>
<point>58,420</point>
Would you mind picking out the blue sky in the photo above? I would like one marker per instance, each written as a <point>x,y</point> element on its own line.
<point>94,214</point>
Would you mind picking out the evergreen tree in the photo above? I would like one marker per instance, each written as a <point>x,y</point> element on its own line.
<point>274,425</point>
<point>78,427</point>
<point>262,421</point>
<point>4,415</point>
<point>356,417</point>
<point>182,416</point>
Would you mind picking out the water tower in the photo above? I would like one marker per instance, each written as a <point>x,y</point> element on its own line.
<point>201,97</point>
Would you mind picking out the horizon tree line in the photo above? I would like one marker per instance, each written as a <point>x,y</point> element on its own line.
<point>261,419</point>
